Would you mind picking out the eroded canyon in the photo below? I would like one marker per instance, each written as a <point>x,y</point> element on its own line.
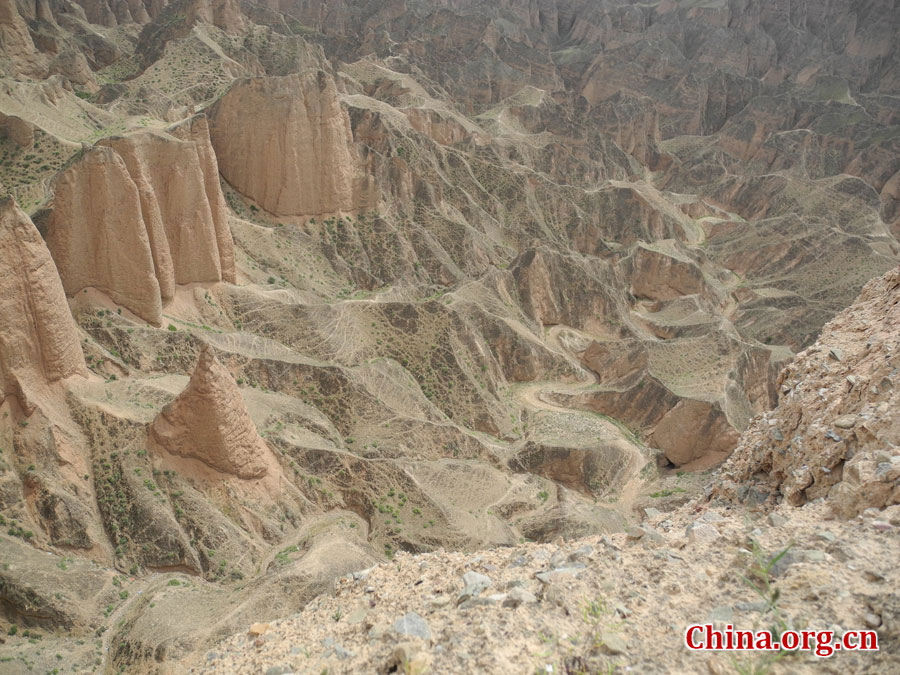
<point>290,288</point>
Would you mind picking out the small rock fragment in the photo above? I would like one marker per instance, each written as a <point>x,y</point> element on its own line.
<point>634,532</point>
<point>845,422</point>
<point>279,670</point>
<point>874,576</point>
<point>412,624</point>
<point>362,574</point>
<point>439,602</point>
<point>811,555</point>
<point>558,559</point>
<point>484,601</point>
<point>258,629</point>
<point>613,643</point>
<point>342,653</point>
<point>759,606</point>
<point>723,614</point>
<point>579,554</point>
<point>701,533</point>
<point>872,620</point>
<point>711,517</point>
<point>776,520</point>
<point>519,596</point>
<point>559,573</point>
<point>475,583</point>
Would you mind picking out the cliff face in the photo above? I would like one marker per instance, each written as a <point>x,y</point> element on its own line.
<point>196,131</point>
<point>209,422</point>
<point>111,14</point>
<point>137,215</point>
<point>39,343</point>
<point>32,45</point>
<point>97,236</point>
<point>296,158</point>
<point>182,204</point>
<point>224,14</point>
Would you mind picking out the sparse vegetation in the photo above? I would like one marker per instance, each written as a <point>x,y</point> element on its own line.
<point>549,242</point>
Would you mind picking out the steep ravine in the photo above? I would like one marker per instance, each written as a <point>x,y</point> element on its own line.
<point>295,289</point>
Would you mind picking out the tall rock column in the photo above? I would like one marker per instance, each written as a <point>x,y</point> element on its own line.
<point>196,129</point>
<point>169,177</point>
<point>39,342</point>
<point>97,235</point>
<point>285,142</point>
<point>138,215</point>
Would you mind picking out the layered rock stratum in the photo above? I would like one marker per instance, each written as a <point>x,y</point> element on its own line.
<point>316,286</point>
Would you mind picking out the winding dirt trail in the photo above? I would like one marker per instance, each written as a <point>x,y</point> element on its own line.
<point>531,396</point>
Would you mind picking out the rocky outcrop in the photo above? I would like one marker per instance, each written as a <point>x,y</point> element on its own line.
<point>438,126</point>
<point>209,422</point>
<point>634,123</point>
<point>184,213</point>
<point>553,289</point>
<point>690,398</point>
<point>663,275</point>
<point>177,21</point>
<point>616,364</point>
<point>223,14</point>
<point>123,222</point>
<point>19,131</point>
<point>835,432</point>
<point>295,158</point>
<point>694,430</point>
<point>111,14</point>
<point>40,51</point>
<point>15,41</point>
<point>97,235</point>
<point>685,429</point>
<point>39,342</point>
<point>196,130</point>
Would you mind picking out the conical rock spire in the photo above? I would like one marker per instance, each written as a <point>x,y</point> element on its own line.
<point>208,421</point>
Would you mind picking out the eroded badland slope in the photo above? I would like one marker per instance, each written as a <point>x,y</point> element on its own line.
<point>752,548</point>
<point>293,289</point>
